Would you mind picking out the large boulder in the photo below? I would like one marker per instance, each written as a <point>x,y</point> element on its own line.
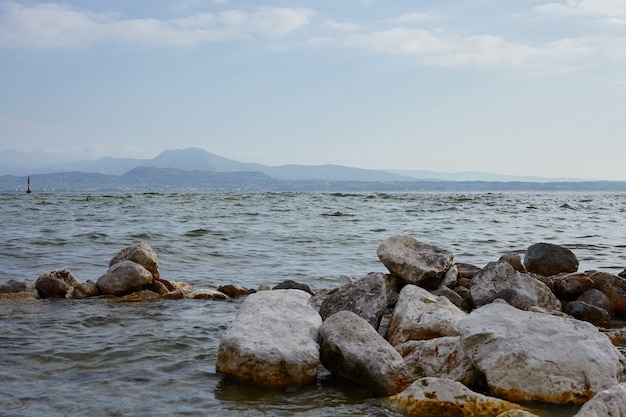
<point>352,349</point>
<point>442,357</point>
<point>570,286</point>
<point>272,341</point>
<point>59,283</point>
<point>124,278</point>
<point>434,397</point>
<point>608,403</point>
<point>415,262</point>
<point>549,259</point>
<point>500,280</point>
<point>140,253</point>
<point>528,356</point>
<point>366,297</point>
<point>420,315</point>
<point>614,287</point>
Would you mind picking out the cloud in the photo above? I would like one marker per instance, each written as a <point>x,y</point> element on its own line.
<point>613,11</point>
<point>412,18</point>
<point>51,25</point>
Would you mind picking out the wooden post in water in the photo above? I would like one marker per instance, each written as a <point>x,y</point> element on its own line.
<point>28,188</point>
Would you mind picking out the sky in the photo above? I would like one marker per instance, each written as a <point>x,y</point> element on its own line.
<point>515,88</point>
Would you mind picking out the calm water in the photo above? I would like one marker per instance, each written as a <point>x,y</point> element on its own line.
<point>97,357</point>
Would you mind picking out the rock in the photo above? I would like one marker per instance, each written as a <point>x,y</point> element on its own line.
<point>293,285</point>
<point>570,286</point>
<point>272,341</point>
<point>13,286</point>
<point>500,280</point>
<point>434,397</point>
<point>420,315</point>
<point>466,271</point>
<point>415,262</point>
<point>206,294</point>
<point>142,254</point>
<point>454,297</point>
<point>234,291</point>
<point>583,311</point>
<point>352,349</point>
<point>517,413</point>
<point>158,286</point>
<point>527,356</point>
<point>451,278</point>
<point>622,274</point>
<point>442,357</point>
<point>86,289</point>
<point>608,403</point>
<point>177,294</point>
<point>124,278</point>
<point>515,260</point>
<point>367,298</point>
<point>549,259</point>
<point>599,299</point>
<point>59,283</point>
<point>614,287</point>
<point>143,295</point>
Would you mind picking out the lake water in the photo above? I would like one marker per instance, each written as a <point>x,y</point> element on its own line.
<point>101,358</point>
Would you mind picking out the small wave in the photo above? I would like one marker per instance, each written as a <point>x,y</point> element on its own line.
<point>197,232</point>
<point>337,214</point>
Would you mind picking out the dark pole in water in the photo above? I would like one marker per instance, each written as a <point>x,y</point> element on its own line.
<point>28,189</point>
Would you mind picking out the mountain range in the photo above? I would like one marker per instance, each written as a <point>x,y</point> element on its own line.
<point>197,169</point>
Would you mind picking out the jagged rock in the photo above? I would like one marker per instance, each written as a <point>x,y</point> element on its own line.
<point>527,356</point>
<point>608,403</point>
<point>454,297</point>
<point>583,311</point>
<point>420,315</point>
<point>352,349</point>
<point>442,357</point>
<point>435,397</point>
<point>123,278</point>
<point>570,286</point>
<point>549,259</point>
<point>56,284</point>
<point>293,285</point>
<point>614,287</point>
<point>367,298</point>
<point>415,262</point>
<point>466,271</point>
<point>500,280</point>
<point>272,341</point>
<point>515,260</point>
<point>142,254</point>
<point>451,278</point>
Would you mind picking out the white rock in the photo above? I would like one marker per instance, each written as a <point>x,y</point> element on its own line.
<point>610,402</point>
<point>124,278</point>
<point>529,356</point>
<point>420,315</point>
<point>272,341</point>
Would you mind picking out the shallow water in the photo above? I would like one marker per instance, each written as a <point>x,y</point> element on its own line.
<point>98,357</point>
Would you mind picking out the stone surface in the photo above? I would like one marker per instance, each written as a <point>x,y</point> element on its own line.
<point>59,283</point>
<point>272,342</point>
<point>13,286</point>
<point>366,297</point>
<point>420,315</point>
<point>207,294</point>
<point>140,253</point>
<point>587,312</point>
<point>500,280</point>
<point>434,397</point>
<point>124,278</point>
<point>442,357</point>
<point>527,356</point>
<point>352,349</point>
<point>570,286</point>
<point>599,299</point>
<point>293,285</point>
<point>608,403</point>
<point>415,262</point>
<point>234,291</point>
<point>549,259</point>
<point>515,260</point>
<point>614,287</point>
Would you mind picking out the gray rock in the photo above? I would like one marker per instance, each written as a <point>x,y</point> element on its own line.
<point>366,297</point>
<point>293,285</point>
<point>515,260</point>
<point>13,286</point>
<point>614,287</point>
<point>350,348</point>
<point>587,312</point>
<point>599,299</point>
<point>415,262</point>
<point>142,254</point>
<point>570,286</point>
<point>608,403</point>
<point>549,259</point>
<point>123,278</point>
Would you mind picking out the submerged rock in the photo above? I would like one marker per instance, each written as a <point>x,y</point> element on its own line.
<point>528,356</point>
<point>13,286</point>
<point>549,259</point>
<point>272,341</point>
<point>352,349</point>
<point>415,262</point>
<point>59,283</point>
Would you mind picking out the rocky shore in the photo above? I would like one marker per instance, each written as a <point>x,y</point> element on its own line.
<point>434,337</point>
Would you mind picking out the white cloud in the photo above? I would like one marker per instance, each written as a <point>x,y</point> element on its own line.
<point>412,18</point>
<point>613,11</point>
<point>51,25</point>
<point>343,26</point>
<point>401,41</point>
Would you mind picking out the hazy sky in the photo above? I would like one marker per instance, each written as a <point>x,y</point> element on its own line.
<point>511,87</point>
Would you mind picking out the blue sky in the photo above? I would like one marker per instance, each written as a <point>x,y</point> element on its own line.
<point>519,88</point>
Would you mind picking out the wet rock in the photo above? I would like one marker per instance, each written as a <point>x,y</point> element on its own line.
<point>272,341</point>
<point>570,286</point>
<point>500,280</point>
<point>442,357</point>
<point>583,311</point>
<point>293,285</point>
<point>598,299</point>
<point>206,294</point>
<point>174,295</point>
<point>367,298</point>
<point>614,287</point>
<point>420,315</point>
<point>415,262</point>
<point>123,278</point>
<point>435,397</point>
<point>56,284</point>
<point>86,289</point>
<point>515,260</point>
<point>549,259</point>
<point>13,286</point>
<point>159,286</point>
<point>352,349</point>
<point>527,356</point>
<point>143,295</point>
<point>142,254</point>
<point>610,403</point>
<point>234,291</point>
